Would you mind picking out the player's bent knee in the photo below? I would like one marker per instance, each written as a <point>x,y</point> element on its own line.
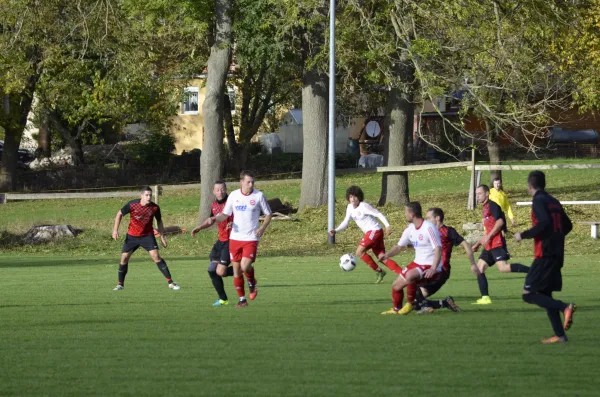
<point>504,267</point>
<point>425,293</point>
<point>221,270</point>
<point>212,267</point>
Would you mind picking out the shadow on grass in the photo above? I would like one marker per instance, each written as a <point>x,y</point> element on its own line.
<point>43,262</point>
<point>65,304</point>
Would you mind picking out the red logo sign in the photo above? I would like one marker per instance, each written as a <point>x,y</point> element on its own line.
<point>420,237</point>
<point>252,202</point>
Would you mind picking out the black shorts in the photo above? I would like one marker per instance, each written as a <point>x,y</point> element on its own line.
<point>494,255</point>
<point>147,242</point>
<point>437,284</point>
<point>544,276</point>
<point>220,252</point>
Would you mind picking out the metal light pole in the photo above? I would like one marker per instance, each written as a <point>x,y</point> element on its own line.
<point>331,146</point>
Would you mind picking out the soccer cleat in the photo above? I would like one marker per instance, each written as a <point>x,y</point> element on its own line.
<point>380,276</point>
<point>220,302</point>
<point>555,339</point>
<point>568,313</point>
<point>393,310</point>
<point>484,300</point>
<point>426,310</point>
<point>174,286</point>
<point>253,291</point>
<point>407,308</point>
<point>450,304</point>
<point>243,303</point>
<point>119,288</point>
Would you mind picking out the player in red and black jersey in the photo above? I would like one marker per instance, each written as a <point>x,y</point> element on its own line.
<point>450,239</point>
<point>218,266</point>
<point>494,245</point>
<point>550,226</point>
<point>141,234</point>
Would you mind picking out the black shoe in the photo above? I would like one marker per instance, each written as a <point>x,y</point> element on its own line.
<point>450,304</point>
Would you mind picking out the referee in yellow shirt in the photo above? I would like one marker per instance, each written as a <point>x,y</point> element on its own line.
<point>498,196</point>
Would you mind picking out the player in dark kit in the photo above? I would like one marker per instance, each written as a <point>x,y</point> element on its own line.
<point>141,234</point>
<point>450,239</point>
<point>550,226</point>
<point>494,252</point>
<point>218,266</point>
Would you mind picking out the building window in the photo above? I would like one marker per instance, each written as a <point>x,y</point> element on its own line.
<point>190,100</point>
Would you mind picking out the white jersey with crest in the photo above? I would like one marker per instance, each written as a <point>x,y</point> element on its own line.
<point>424,240</point>
<point>365,217</point>
<point>246,210</point>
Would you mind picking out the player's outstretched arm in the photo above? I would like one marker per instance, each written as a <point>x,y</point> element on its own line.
<point>471,257</point>
<point>115,233</point>
<point>395,250</point>
<point>204,225</point>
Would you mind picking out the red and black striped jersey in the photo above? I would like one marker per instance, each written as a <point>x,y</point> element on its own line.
<point>491,213</point>
<point>450,239</point>
<point>141,217</point>
<point>223,226</point>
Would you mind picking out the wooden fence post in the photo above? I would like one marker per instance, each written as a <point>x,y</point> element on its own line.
<point>156,192</point>
<point>472,200</point>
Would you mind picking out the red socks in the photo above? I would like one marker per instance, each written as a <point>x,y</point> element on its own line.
<point>250,276</point>
<point>411,293</point>
<point>238,282</point>
<point>369,261</point>
<point>397,297</point>
<point>393,266</point>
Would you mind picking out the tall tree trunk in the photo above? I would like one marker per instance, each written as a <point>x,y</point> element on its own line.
<point>218,65</point>
<point>398,125</point>
<point>493,145</point>
<point>314,131</point>
<point>15,109</point>
<point>44,136</point>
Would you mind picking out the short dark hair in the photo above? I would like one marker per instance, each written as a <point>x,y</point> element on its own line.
<point>356,192</point>
<point>415,208</point>
<point>497,179</point>
<point>537,180</point>
<point>485,188</point>
<point>146,189</point>
<point>220,182</point>
<point>437,212</point>
<point>246,173</point>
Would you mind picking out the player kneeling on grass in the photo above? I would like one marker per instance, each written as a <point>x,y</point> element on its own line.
<point>550,226</point>
<point>218,266</point>
<point>246,205</point>
<point>450,238</point>
<point>366,217</point>
<point>427,266</point>
<point>141,234</point>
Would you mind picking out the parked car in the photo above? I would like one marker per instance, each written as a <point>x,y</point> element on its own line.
<point>24,156</point>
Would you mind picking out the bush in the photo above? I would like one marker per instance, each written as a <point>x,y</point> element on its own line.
<point>153,152</point>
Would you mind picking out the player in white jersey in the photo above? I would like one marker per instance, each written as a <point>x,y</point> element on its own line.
<point>427,266</point>
<point>246,205</point>
<point>366,217</point>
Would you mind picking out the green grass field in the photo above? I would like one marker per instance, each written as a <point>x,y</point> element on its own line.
<point>313,331</point>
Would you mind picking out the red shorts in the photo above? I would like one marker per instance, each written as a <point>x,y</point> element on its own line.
<point>421,269</point>
<point>373,240</point>
<point>242,249</point>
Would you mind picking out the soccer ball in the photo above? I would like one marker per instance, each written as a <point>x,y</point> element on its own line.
<point>347,262</point>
